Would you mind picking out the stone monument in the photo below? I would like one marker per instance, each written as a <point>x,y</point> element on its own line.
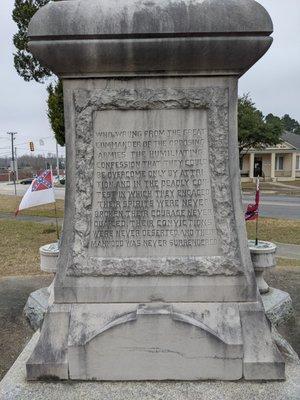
<point>155,279</point>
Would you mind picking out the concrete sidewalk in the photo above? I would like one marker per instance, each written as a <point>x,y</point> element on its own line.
<point>283,185</point>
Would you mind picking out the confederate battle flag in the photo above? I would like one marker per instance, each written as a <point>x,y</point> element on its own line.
<point>40,192</point>
<point>253,209</point>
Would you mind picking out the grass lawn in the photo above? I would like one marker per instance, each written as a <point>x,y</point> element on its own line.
<point>19,246</point>
<point>286,262</point>
<point>9,204</point>
<point>276,230</point>
<point>292,183</point>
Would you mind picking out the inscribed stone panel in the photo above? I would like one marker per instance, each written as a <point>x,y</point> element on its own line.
<point>152,191</point>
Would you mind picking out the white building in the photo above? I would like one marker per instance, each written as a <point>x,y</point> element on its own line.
<point>277,163</point>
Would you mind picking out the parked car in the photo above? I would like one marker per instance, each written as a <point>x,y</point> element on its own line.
<point>26,181</point>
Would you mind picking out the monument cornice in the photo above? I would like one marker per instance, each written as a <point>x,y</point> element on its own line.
<point>95,38</point>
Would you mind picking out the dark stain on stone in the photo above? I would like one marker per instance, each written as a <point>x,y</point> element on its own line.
<point>48,378</point>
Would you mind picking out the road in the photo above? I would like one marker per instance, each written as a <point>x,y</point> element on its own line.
<point>275,206</point>
<point>286,207</point>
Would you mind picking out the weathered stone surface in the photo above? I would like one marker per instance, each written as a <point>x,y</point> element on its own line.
<point>135,297</point>
<point>214,100</point>
<point>36,307</point>
<point>50,357</point>
<point>152,184</point>
<point>49,255</point>
<point>278,306</point>
<point>263,256</point>
<point>80,38</point>
<point>153,288</point>
<point>15,387</point>
<point>98,342</point>
<point>262,359</point>
<point>169,266</point>
<point>285,348</point>
<point>128,342</point>
<point>125,17</point>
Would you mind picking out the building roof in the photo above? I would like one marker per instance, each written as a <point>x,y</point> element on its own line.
<point>292,139</point>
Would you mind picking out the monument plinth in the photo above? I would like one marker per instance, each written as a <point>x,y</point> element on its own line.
<point>155,279</point>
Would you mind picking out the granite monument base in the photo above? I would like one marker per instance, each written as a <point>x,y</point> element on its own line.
<point>179,341</point>
<point>155,281</point>
<point>14,386</point>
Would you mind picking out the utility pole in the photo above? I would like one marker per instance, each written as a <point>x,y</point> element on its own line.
<point>12,135</point>
<point>57,162</point>
<point>17,167</point>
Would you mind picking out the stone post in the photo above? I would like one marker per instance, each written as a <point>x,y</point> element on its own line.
<point>155,279</point>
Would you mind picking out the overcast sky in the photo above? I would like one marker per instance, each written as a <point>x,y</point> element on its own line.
<point>274,82</point>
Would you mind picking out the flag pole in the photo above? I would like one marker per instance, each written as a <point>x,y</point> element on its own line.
<point>257,211</point>
<point>256,235</point>
<point>55,209</point>
<point>56,219</point>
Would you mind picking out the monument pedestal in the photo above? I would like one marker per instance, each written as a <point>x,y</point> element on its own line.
<point>155,279</point>
<point>180,341</point>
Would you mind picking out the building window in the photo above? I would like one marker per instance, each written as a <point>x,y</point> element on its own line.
<point>298,163</point>
<point>279,163</point>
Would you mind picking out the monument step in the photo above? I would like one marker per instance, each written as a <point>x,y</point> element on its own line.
<point>14,386</point>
